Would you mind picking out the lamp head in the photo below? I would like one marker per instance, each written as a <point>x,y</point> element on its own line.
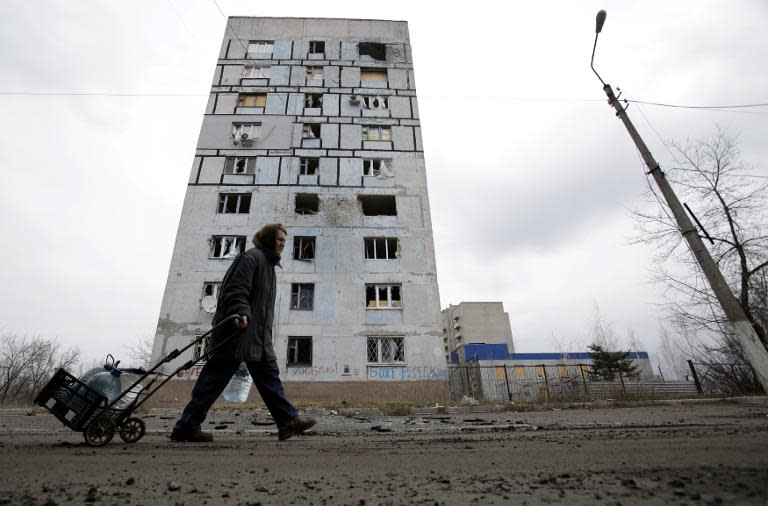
<point>600,20</point>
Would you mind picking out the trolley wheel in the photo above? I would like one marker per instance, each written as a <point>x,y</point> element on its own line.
<point>132,429</point>
<point>100,431</point>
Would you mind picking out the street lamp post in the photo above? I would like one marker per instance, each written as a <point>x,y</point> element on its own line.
<point>745,333</point>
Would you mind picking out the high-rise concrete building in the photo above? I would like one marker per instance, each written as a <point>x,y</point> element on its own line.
<point>475,323</point>
<point>314,123</point>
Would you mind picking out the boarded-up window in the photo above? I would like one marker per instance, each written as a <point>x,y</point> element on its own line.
<point>252,100</point>
<point>374,75</point>
<point>260,48</point>
<point>377,133</point>
<point>255,72</point>
<point>520,372</point>
<point>500,373</point>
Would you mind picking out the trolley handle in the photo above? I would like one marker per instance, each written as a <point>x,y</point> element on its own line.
<point>175,353</point>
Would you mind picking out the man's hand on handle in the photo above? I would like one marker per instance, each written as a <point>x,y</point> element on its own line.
<point>241,321</point>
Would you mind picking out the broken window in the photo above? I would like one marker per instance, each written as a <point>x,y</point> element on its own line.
<point>376,103</point>
<point>260,48</point>
<point>317,47</point>
<point>375,75</point>
<point>313,100</point>
<point>255,72</point>
<point>386,350</point>
<point>201,347</point>
<point>230,203</point>
<point>375,167</point>
<point>307,203</point>
<point>382,296</point>
<point>245,132</point>
<point>310,131</point>
<point>302,295</point>
<point>377,133</point>
<point>375,50</point>
<point>315,72</point>
<point>303,247</point>
<point>252,100</point>
<point>385,248</point>
<point>378,205</point>
<point>227,246</point>
<point>299,351</point>
<point>210,296</point>
<point>308,166</point>
<point>239,165</point>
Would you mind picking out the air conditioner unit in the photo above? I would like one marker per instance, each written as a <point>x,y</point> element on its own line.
<point>354,99</point>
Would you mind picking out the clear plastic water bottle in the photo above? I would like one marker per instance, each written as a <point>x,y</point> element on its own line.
<point>106,382</point>
<point>239,386</point>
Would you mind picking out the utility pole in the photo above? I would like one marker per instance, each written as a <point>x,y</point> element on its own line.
<point>745,333</point>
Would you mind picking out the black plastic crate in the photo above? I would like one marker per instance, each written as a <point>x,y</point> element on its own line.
<point>70,400</point>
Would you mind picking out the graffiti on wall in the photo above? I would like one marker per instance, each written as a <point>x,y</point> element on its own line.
<point>406,373</point>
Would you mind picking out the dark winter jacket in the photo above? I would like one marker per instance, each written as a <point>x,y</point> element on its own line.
<point>248,289</point>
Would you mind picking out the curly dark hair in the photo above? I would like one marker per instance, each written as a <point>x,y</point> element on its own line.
<point>266,239</point>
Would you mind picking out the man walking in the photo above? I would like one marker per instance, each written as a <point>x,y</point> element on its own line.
<point>248,290</point>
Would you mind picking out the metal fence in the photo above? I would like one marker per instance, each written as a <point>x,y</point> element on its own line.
<point>545,383</point>
<point>723,379</point>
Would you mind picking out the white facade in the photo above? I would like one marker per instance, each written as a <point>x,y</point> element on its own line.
<point>313,123</point>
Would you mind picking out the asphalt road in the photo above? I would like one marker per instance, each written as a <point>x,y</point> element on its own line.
<point>678,453</point>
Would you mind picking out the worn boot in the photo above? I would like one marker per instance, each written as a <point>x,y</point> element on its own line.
<point>295,426</point>
<point>191,436</point>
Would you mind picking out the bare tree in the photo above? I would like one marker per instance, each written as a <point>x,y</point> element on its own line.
<point>731,208</point>
<point>27,363</point>
<point>140,353</point>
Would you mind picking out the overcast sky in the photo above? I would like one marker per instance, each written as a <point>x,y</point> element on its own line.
<point>530,174</point>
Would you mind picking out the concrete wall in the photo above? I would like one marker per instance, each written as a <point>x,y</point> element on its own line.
<point>339,323</point>
<point>476,322</point>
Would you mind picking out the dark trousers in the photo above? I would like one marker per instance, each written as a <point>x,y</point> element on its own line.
<point>214,378</point>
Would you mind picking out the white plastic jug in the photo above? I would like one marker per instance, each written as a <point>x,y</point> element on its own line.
<point>238,387</point>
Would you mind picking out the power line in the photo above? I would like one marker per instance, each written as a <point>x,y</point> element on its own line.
<point>677,106</point>
<point>99,94</point>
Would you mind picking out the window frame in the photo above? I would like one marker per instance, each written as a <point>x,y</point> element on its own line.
<point>390,303</point>
<point>302,244</point>
<point>398,355</point>
<point>313,100</point>
<point>368,100</point>
<point>249,165</point>
<point>307,163</point>
<point>375,241</point>
<point>293,352</point>
<point>297,297</point>
<point>237,240</point>
<point>313,46</point>
<point>309,128</point>
<point>242,200</point>
<point>380,131</point>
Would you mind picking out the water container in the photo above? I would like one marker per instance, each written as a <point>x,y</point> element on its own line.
<point>106,382</point>
<point>126,380</point>
<point>239,386</point>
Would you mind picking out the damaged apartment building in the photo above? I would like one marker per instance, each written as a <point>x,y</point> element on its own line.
<point>313,123</point>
